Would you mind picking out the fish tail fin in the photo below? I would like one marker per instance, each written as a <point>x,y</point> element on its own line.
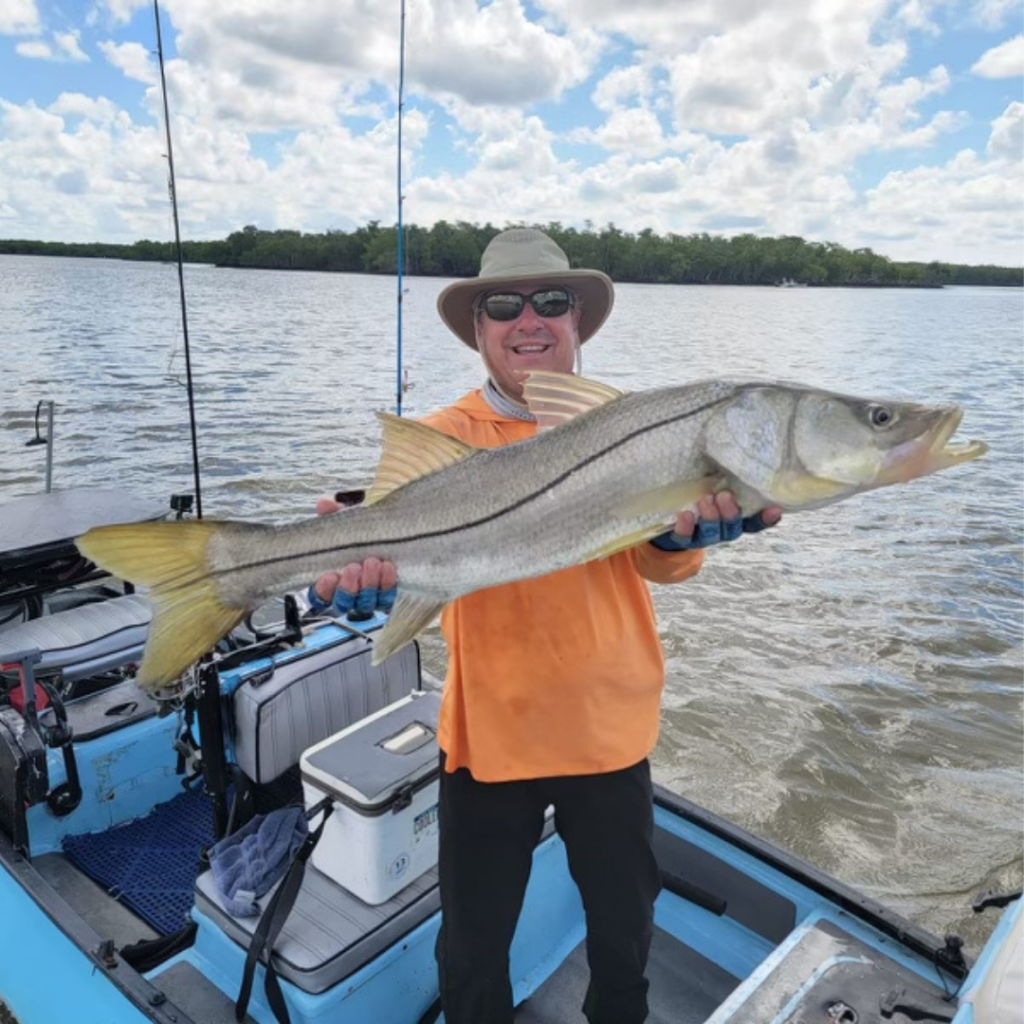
<point>171,559</point>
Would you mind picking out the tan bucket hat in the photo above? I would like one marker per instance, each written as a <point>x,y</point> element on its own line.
<point>518,258</point>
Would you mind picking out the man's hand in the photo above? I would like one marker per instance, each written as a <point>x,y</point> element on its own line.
<point>718,519</point>
<point>360,586</point>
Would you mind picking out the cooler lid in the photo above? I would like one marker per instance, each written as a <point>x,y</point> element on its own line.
<point>366,764</point>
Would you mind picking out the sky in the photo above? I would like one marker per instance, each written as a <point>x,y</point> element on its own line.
<point>896,125</point>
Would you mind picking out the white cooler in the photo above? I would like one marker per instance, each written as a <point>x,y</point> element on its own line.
<point>382,775</point>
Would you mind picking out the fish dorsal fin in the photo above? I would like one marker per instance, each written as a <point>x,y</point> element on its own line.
<point>553,398</point>
<point>411,450</point>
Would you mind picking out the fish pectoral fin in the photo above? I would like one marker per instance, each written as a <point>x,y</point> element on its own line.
<point>672,498</point>
<point>170,559</point>
<point>409,617</point>
<point>663,501</point>
<point>553,398</point>
<point>411,450</point>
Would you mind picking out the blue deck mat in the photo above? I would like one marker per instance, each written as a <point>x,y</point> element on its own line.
<point>150,864</point>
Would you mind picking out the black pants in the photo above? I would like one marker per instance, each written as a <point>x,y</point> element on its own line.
<point>488,834</point>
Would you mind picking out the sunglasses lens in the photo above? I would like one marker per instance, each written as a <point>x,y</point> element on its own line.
<point>504,307</point>
<point>549,303</point>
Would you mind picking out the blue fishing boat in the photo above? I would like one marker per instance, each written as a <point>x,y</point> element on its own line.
<point>116,803</point>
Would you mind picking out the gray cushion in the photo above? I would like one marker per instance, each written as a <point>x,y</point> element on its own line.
<point>309,699</point>
<point>330,933</point>
<point>85,640</point>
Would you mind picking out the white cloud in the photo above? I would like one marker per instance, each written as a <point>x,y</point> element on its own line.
<point>1007,139</point>
<point>993,14</point>
<point>494,54</point>
<point>490,54</point>
<point>67,43</point>
<point>1003,61</point>
<point>965,211</point>
<point>76,104</point>
<point>917,14</point>
<point>66,48</point>
<point>621,85</point>
<point>120,12</point>
<point>707,116</point>
<point>635,130</point>
<point>19,17</point>
<point>131,58</point>
<point>36,49</point>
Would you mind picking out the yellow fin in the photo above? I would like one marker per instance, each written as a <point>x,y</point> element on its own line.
<point>171,560</point>
<point>411,450</point>
<point>673,498</point>
<point>553,398</point>
<point>410,616</point>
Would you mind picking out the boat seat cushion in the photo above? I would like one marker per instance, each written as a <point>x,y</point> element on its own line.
<point>311,698</point>
<point>85,640</point>
<point>329,933</point>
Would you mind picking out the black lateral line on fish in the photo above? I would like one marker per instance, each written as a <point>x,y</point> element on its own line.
<point>486,519</point>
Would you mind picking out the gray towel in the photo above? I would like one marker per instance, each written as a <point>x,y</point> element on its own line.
<point>248,862</point>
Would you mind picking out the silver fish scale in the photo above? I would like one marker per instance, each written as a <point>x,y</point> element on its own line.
<point>502,514</point>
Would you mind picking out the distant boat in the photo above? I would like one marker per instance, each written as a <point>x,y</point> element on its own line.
<point>788,282</point>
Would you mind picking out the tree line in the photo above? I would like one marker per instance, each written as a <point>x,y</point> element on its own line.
<point>453,250</point>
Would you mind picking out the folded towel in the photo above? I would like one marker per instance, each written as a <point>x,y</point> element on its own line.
<point>247,863</point>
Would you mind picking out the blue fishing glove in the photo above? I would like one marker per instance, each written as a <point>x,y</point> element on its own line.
<point>710,531</point>
<point>363,604</point>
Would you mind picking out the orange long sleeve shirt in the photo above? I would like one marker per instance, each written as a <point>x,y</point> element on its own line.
<point>556,675</point>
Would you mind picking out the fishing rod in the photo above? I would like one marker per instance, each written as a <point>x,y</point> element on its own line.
<point>401,199</point>
<point>173,189</point>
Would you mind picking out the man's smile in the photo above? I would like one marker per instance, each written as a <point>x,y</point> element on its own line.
<point>529,348</point>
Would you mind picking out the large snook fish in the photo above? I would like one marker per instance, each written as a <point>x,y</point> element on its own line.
<point>614,472</point>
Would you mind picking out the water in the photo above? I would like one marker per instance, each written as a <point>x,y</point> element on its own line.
<point>848,684</point>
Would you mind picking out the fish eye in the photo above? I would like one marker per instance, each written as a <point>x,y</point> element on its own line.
<point>881,416</point>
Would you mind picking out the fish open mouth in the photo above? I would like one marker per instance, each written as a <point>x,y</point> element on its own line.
<point>942,453</point>
<point>931,451</point>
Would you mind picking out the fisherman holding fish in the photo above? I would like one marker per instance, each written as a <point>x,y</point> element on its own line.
<point>553,690</point>
<point>530,515</point>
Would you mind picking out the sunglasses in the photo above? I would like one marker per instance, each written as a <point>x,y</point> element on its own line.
<point>548,303</point>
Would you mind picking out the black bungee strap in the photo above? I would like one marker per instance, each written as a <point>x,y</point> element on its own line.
<point>271,923</point>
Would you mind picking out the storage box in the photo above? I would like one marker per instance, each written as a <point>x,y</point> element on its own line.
<point>382,775</point>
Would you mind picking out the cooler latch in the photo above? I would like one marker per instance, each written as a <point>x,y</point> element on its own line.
<point>403,798</point>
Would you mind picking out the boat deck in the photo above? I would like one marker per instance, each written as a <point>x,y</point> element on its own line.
<point>685,988</point>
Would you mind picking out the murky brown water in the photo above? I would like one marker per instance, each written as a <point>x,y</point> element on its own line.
<point>848,684</point>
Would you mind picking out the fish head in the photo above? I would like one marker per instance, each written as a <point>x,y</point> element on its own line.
<point>840,445</point>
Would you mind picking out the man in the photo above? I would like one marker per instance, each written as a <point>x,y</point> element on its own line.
<point>552,695</point>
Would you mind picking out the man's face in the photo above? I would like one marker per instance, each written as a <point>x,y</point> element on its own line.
<point>512,348</point>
